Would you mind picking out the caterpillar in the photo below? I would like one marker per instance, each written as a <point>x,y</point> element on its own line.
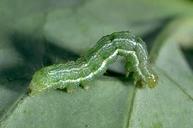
<point>95,62</point>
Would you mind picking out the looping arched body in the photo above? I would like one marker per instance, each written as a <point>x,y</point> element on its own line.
<point>95,62</point>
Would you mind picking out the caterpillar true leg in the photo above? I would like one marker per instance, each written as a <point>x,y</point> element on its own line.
<point>131,65</point>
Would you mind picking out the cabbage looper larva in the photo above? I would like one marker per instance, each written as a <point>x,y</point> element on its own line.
<point>95,62</point>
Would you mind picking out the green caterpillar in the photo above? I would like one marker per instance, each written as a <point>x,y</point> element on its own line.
<point>95,62</point>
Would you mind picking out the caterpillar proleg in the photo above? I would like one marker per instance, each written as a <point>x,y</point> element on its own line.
<point>95,62</point>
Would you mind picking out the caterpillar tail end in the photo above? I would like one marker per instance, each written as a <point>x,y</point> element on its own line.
<point>32,92</point>
<point>35,88</point>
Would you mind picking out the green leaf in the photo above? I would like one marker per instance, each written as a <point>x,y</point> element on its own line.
<point>100,106</point>
<point>54,32</point>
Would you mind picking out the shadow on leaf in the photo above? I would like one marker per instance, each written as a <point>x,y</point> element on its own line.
<point>36,53</point>
<point>188,53</point>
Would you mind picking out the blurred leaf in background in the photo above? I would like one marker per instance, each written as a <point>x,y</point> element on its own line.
<point>34,34</point>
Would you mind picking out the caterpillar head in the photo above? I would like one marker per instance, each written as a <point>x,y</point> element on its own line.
<point>151,80</point>
<point>148,77</point>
